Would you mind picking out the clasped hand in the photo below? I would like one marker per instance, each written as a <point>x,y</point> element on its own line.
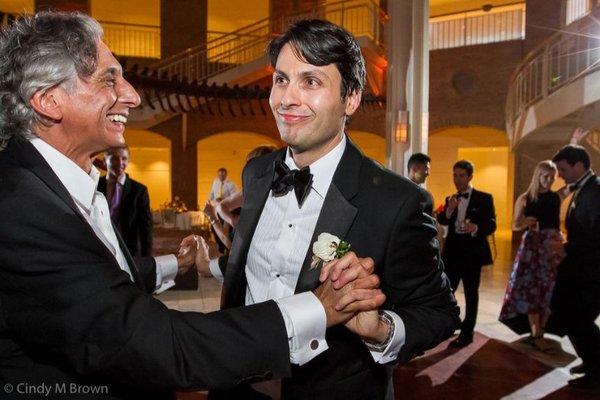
<point>349,290</point>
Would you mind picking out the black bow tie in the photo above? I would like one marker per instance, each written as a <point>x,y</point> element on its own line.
<point>463,195</point>
<point>285,179</point>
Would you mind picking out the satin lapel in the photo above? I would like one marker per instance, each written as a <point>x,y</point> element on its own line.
<point>473,203</point>
<point>337,213</point>
<point>135,273</point>
<point>255,197</point>
<point>127,188</point>
<point>27,155</point>
<point>336,217</point>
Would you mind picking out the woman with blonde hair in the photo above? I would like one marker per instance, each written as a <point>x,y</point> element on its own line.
<point>527,298</point>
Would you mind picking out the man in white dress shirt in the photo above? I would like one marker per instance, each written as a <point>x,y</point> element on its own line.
<point>221,186</point>
<point>319,184</point>
<point>75,307</point>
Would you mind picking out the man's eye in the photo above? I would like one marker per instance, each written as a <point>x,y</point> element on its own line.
<point>279,80</point>
<point>312,82</point>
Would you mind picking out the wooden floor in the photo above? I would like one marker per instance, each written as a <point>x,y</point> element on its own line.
<point>497,365</point>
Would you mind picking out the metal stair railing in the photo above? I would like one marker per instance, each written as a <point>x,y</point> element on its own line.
<point>563,58</point>
<point>360,17</point>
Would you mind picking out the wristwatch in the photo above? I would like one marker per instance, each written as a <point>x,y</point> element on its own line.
<point>389,321</point>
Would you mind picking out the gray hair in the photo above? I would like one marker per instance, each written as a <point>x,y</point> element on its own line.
<point>40,52</point>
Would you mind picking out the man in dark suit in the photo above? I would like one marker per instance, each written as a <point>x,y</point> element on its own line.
<point>321,188</point>
<point>418,166</point>
<point>128,202</point>
<point>76,314</point>
<point>470,217</point>
<point>576,299</point>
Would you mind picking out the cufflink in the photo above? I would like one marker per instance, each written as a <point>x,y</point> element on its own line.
<point>314,344</point>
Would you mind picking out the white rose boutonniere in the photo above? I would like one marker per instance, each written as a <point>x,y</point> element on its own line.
<point>326,248</point>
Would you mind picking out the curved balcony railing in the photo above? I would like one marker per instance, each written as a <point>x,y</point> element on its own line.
<point>360,17</point>
<point>563,58</point>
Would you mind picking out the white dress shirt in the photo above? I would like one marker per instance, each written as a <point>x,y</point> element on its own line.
<point>461,213</point>
<point>93,206</point>
<point>228,189</point>
<point>282,239</point>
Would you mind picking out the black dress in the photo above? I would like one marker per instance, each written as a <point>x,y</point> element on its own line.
<point>534,269</point>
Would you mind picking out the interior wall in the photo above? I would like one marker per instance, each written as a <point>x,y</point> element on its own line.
<point>150,164</point>
<point>228,150</point>
<point>370,144</point>
<point>18,6</point>
<point>142,12</point>
<point>231,15</point>
<point>489,149</point>
<point>491,171</point>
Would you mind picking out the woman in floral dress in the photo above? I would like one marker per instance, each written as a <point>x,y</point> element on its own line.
<point>527,298</point>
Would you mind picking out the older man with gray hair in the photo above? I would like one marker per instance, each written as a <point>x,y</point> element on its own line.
<point>76,316</point>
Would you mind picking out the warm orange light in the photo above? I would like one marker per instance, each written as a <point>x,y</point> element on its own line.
<point>402,127</point>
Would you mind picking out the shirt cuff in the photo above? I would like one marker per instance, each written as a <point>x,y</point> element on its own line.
<point>166,271</point>
<point>305,322</point>
<point>390,353</point>
<point>215,270</point>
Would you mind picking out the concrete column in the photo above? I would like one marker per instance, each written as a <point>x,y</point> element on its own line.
<point>63,5</point>
<point>184,159</point>
<point>407,112</point>
<point>543,18</point>
<point>183,24</point>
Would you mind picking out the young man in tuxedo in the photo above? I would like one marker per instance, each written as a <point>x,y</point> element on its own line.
<point>75,307</point>
<point>128,203</point>
<point>321,183</point>
<point>576,298</point>
<point>419,166</point>
<point>470,217</point>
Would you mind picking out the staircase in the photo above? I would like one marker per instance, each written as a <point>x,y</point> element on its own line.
<point>212,70</point>
<point>557,86</point>
<point>207,62</point>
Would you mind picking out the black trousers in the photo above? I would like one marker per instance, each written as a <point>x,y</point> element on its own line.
<point>576,305</point>
<point>470,275</point>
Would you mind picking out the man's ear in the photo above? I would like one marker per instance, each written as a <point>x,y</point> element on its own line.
<point>47,103</point>
<point>352,102</point>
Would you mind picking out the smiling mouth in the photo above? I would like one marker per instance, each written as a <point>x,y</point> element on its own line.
<point>117,118</point>
<point>293,118</point>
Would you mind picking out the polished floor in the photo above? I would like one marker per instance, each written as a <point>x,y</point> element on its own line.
<point>497,365</point>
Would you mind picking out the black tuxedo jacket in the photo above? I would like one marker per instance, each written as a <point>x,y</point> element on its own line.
<point>475,250</point>
<point>69,314</point>
<point>583,234</point>
<point>381,215</point>
<point>135,218</point>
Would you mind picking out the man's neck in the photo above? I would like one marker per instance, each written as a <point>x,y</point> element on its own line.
<point>60,143</point>
<point>112,176</point>
<point>305,158</point>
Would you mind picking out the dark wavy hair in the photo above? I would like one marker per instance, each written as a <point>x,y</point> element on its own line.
<point>320,43</point>
<point>573,154</point>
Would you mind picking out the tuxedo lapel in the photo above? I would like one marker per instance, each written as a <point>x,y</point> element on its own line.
<point>255,197</point>
<point>27,155</point>
<point>135,273</point>
<point>337,214</point>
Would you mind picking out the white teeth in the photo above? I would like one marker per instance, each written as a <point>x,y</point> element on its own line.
<point>118,118</point>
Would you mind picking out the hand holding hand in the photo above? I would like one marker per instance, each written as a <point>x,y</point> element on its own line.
<point>209,211</point>
<point>201,258</point>
<point>187,254</point>
<point>353,290</point>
